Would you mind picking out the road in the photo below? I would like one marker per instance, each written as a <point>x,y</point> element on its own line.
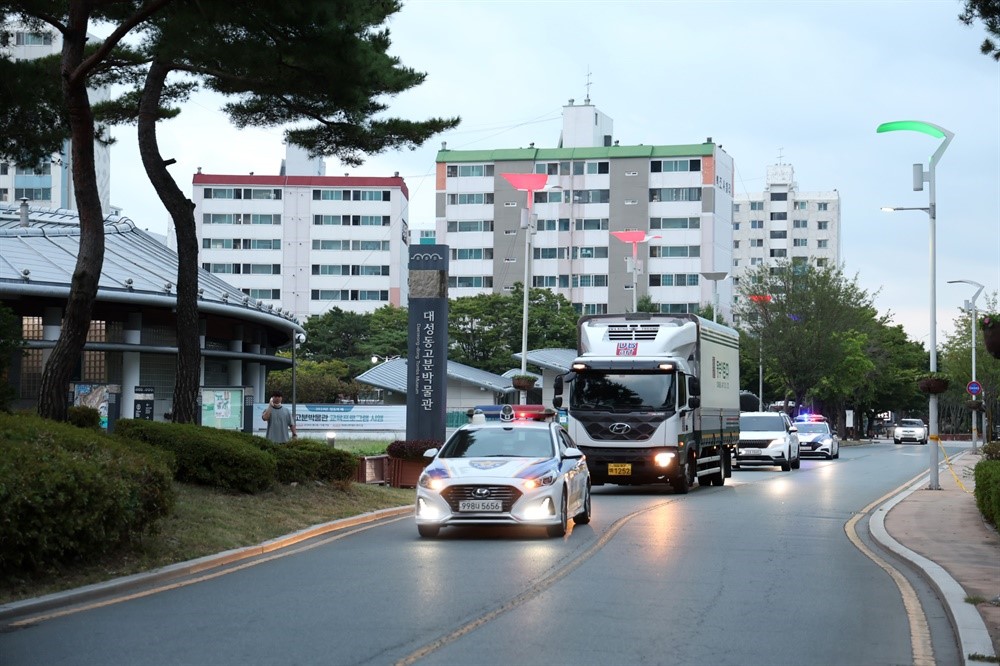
<point>760,571</point>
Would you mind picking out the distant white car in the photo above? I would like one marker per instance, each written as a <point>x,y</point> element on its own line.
<point>816,438</point>
<point>768,438</point>
<point>522,469</point>
<point>910,430</point>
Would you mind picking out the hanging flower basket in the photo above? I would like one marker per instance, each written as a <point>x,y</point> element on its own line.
<point>523,382</point>
<point>991,334</point>
<point>932,384</point>
<point>975,405</point>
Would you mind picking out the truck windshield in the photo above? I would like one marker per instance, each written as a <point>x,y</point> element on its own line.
<point>623,392</point>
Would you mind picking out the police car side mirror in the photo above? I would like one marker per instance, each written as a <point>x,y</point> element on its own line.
<point>572,452</point>
<point>793,429</point>
<point>430,453</point>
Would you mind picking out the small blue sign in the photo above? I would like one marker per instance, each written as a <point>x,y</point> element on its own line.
<point>974,388</point>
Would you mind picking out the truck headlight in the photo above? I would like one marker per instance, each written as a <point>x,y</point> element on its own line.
<point>663,459</point>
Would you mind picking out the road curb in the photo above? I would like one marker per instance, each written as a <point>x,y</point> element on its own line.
<point>181,569</point>
<point>965,619</point>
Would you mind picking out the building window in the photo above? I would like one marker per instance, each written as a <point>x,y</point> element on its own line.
<point>470,170</point>
<point>736,208</point>
<point>549,253</point>
<point>593,252</point>
<point>800,224</point>
<point>823,244</point>
<point>779,196</point>
<point>263,294</point>
<point>756,224</point>
<point>33,39</point>
<point>675,251</point>
<point>821,262</point>
<point>779,216</point>
<point>331,195</point>
<point>801,205</point>
<point>562,224</point>
<point>756,261</point>
<point>463,254</point>
<point>822,206</point>
<point>756,242</point>
<point>461,226</point>
<point>779,234</point>
<point>674,280</point>
<point>675,223</point>
<point>470,198</point>
<point>756,205</point>
<point>470,281</point>
<point>591,196</point>
<point>599,280</point>
<point>667,166</point>
<point>592,224</point>
<point>779,253</point>
<point>736,245</point>
<point>822,225</point>
<point>800,242</point>
<point>675,194</point>
<point>736,226</point>
<point>33,193</point>
<point>591,308</point>
<point>331,245</point>
<point>244,193</point>
<point>550,197</point>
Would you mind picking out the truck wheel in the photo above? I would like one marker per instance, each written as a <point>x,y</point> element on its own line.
<point>680,484</point>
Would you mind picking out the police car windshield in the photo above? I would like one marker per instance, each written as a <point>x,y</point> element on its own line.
<point>503,442</point>
<point>812,427</point>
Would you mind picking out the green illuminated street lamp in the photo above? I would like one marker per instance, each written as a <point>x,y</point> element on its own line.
<point>919,178</point>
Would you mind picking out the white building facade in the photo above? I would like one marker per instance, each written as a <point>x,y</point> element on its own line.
<point>50,184</point>
<point>303,244</point>
<point>679,196</point>
<point>783,224</point>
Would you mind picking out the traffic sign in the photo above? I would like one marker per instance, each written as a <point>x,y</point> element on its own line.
<point>974,388</point>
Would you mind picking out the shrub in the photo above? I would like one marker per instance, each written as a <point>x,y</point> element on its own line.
<point>69,494</point>
<point>410,449</point>
<point>308,459</point>
<point>987,474</point>
<point>207,456</point>
<point>991,450</point>
<point>84,417</point>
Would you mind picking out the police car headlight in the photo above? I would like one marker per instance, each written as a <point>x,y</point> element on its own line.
<point>429,482</point>
<point>826,441</point>
<point>545,480</point>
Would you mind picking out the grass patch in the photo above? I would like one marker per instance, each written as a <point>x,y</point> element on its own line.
<point>974,599</point>
<point>206,521</point>
<point>975,656</point>
<point>363,447</point>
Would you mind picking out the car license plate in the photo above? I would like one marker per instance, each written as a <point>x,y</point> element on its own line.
<point>749,452</point>
<point>619,469</point>
<point>480,505</point>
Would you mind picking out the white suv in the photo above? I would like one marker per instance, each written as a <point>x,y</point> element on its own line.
<point>768,438</point>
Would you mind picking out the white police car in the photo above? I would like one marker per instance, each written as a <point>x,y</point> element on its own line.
<point>816,438</point>
<point>520,469</point>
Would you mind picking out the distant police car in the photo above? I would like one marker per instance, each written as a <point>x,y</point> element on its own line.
<point>519,469</point>
<point>816,438</point>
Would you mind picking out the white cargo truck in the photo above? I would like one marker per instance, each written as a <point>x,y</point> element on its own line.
<point>654,398</point>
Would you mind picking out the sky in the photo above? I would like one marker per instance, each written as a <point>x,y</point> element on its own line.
<point>805,83</point>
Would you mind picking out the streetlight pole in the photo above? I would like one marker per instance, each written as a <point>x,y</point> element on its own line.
<point>716,277</point>
<point>530,183</point>
<point>970,307</point>
<point>919,178</point>
<point>634,237</point>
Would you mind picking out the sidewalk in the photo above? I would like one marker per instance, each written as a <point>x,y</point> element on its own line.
<point>943,534</point>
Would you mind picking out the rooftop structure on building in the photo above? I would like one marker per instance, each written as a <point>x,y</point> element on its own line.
<point>783,224</point>
<point>304,241</point>
<point>679,197</point>
<point>49,184</point>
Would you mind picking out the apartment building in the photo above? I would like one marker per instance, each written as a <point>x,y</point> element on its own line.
<point>783,224</point>
<point>678,197</point>
<point>50,183</point>
<point>306,243</point>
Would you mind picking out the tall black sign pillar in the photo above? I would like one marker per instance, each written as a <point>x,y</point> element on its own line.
<point>427,343</point>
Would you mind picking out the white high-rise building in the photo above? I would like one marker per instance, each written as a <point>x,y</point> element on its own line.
<point>678,198</point>
<point>782,223</point>
<point>49,183</point>
<point>302,242</point>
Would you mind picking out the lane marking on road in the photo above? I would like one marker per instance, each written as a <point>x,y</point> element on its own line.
<point>533,590</point>
<point>921,648</point>
<point>38,619</point>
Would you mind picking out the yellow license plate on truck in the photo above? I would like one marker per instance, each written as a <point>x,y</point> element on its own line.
<point>619,469</point>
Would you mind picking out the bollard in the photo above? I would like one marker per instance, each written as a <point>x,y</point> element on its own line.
<point>331,439</point>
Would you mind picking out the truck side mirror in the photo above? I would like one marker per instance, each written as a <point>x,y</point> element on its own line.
<point>557,402</point>
<point>694,386</point>
<point>557,385</point>
<point>694,402</point>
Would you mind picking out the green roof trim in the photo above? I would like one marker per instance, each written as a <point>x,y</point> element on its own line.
<point>562,154</point>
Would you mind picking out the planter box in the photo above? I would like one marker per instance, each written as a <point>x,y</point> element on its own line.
<point>372,469</point>
<point>523,384</point>
<point>405,473</point>
<point>991,338</point>
<point>932,385</point>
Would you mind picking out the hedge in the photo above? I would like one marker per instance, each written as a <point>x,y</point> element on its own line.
<point>987,475</point>
<point>69,494</point>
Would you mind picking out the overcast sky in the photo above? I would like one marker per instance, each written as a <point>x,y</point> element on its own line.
<point>808,81</point>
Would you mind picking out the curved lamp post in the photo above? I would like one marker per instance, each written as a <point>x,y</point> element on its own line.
<point>634,237</point>
<point>530,183</point>
<point>716,277</point>
<point>970,306</point>
<point>919,178</point>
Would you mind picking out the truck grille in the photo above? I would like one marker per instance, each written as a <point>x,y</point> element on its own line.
<point>506,494</point>
<point>633,331</point>
<point>599,426</point>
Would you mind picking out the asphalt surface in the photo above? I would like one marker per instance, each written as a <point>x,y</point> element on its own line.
<point>939,532</point>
